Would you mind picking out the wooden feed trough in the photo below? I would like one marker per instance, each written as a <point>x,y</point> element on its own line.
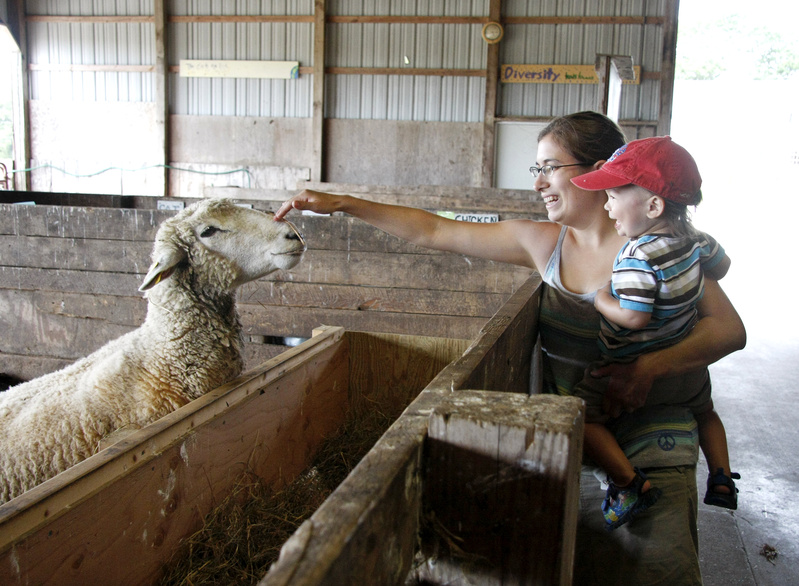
<point>118,516</point>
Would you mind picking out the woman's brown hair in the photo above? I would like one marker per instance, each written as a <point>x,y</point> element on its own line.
<point>588,136</point>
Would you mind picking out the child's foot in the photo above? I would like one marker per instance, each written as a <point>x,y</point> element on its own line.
<point>621,504</point>
<point>721,491</point>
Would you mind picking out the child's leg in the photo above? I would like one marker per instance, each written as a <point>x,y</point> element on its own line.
<point>713,441</point>
<point>601,446</point>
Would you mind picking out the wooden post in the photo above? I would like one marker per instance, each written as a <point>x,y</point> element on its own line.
<point>612,70</point>
<point>502,489</point>
<point>668,66</point>
<point>19,83</point>
<point>162,87</point>
<point>317,164</point>
<point>490,112</point>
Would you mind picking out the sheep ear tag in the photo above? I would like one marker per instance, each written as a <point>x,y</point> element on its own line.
<point>161,269</point>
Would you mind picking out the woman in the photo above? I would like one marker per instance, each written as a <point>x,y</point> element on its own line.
<point>574,253</point>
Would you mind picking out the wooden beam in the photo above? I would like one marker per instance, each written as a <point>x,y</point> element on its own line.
<point>668,66</point>
<point>404,71</point>
<point>378,19</point>
<point>92,68</point>
<point>262,18</point>
<point>654,20</point>
<point>490,106</point>
<point>90,19</point>
<point>20,96</point>
<point>318,114</point>
<point>162,87</point>
<point>354,19</point>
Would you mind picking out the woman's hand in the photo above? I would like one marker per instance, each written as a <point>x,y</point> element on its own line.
<point>628,386</point>
<point>314,201</point>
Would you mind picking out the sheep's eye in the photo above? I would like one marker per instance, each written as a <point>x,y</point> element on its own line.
<point>209,231</point>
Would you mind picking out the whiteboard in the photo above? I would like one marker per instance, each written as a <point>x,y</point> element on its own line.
<point>516,147</point>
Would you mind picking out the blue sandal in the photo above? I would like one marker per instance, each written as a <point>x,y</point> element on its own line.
<point>622,504</point>
<point>722,499</point>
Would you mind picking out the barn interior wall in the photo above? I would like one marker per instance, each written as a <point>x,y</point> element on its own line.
<point>404,100</point>
<point>391,152</point>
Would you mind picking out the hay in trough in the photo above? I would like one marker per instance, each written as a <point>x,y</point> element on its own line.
<point>242,537</point>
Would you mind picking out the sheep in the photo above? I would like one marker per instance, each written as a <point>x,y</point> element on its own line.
<point>188,344</point>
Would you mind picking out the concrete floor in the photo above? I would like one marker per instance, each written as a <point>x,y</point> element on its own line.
<point>754,392</point>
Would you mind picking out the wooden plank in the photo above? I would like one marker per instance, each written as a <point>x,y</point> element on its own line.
<point>345,539</point>
<point>380,299</point>
<point>449,272</point>
<point>284,321</point>
<point>438,72</point>
<point>414,361</point>
<point>499,359</point>
<point>100,283</point>
<point>78,254</point>
<point>123,289</point>
<point>177,468</point>
<point>70,221</point>
<point>501,489</point>
<point>32,324</point>
<point>414,271</point>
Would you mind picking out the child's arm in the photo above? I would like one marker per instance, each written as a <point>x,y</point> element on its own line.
<point>609,307</point>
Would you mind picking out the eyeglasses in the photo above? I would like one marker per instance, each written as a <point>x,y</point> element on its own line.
<point>547,170</point>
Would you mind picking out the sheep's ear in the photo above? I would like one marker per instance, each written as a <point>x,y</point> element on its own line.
<point>162,268</point>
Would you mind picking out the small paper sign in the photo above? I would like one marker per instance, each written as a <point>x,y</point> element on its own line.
<point>240,69</point>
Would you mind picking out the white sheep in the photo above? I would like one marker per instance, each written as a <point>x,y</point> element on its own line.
<point>188,344</point>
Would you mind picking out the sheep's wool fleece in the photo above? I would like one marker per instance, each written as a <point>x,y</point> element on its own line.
<point>189,344</point>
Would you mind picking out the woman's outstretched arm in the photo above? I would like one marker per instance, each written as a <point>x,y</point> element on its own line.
<point>519,242</point>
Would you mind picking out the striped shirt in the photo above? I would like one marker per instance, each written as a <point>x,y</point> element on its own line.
<point>664,276</point>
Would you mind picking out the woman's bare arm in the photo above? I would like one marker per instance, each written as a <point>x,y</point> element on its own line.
<point>718,333</point>
<point>519,242</point>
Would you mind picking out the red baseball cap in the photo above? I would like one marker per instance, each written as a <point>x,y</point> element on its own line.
<point>657,164</point>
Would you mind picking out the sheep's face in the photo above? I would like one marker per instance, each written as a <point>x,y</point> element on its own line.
<point>252,241</point>
<point>234,245</point>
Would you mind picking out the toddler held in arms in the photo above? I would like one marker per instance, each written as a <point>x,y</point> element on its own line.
<point>650,304</point>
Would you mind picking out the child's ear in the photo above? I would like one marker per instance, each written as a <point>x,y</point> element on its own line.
<point>656,207</point>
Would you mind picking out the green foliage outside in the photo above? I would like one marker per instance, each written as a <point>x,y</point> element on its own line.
<point>730,44</point>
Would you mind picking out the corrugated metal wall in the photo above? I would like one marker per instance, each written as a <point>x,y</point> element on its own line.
<point>450,98</point>
<point>247,42</point>
<point>575,44</point>
<point>83,44</point>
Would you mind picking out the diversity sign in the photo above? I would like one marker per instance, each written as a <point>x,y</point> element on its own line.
<point>554,74</point>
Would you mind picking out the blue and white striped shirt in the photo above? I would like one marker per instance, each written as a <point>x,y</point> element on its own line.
<point>662,275</point>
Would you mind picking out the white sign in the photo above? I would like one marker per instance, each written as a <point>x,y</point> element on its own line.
<point>469,217</point>
<point>240,69</point>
